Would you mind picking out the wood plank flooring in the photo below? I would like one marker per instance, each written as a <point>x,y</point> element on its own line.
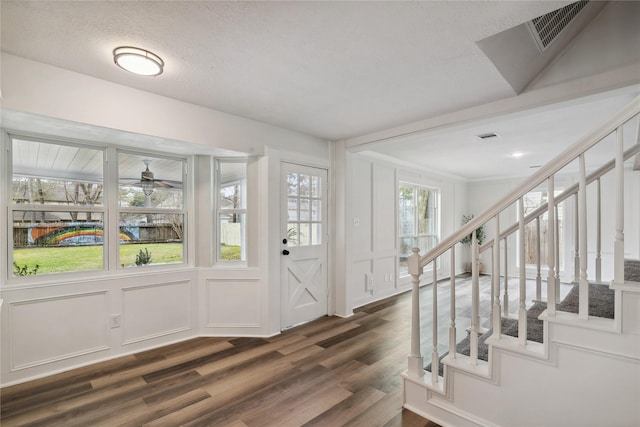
<point>330,372</point>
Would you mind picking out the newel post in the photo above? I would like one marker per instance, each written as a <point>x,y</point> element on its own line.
<point>416,363</point>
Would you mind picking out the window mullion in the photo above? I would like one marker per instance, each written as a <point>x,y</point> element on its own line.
<point>111,202</point>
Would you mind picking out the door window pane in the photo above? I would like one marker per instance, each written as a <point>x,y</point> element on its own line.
<point>292,184</point>
<point>304,236</point>
<point>304,207</point>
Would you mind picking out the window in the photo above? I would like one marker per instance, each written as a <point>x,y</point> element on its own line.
<point>150,210</point>
<point>231,176</point>
<point>532,201</point>
<point>304,209</point>
<point>418,221</point>
<point>62,195</point>
<point>57,207</point>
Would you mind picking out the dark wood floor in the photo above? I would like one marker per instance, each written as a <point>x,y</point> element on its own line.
<point>330,372</point>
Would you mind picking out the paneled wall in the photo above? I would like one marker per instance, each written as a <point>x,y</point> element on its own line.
<point>59,325</point>
<point>372,224</point>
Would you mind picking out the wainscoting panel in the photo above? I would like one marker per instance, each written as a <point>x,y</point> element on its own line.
<point>233,303</point>
<point>155,310</point>
<point>40,334</point>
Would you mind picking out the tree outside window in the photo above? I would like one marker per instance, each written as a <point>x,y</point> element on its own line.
<point>418,221</point>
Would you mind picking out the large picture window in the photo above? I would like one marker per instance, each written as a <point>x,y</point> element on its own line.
<point>62,195</point>
<point>150,210</point>
<point>57,207</point>
<point>231,177</point>
<point>418,221</point>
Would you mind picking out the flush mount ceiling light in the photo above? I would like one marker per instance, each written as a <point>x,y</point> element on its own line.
<point>138,61</point>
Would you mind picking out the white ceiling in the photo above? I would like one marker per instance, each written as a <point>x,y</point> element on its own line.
<point>331,69</point>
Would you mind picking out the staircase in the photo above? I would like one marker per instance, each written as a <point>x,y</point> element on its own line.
<point>558,361</point>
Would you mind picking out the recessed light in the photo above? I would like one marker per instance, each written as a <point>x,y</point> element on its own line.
<point>138,61</point>
<point>517,154</point>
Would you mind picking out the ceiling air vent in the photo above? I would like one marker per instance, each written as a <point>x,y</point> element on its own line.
<point>546,28</point>
<point>489,135</point>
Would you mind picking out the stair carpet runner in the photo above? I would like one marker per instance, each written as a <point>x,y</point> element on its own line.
<point>601,304</point>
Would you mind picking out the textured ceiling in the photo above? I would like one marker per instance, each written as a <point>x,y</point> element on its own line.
<point>335,70</point>
<point>329,69</point>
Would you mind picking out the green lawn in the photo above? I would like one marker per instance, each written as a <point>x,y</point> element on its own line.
<point>230,253</point>
<point>78,258</point>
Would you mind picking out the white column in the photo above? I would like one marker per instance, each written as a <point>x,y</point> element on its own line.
<point>495,274</point>
<point>416,362</point>
<point>618,247</point>
<point>583,304</point>
<point>522,312</point>
<point>551,275</point>
<point>452,325</point>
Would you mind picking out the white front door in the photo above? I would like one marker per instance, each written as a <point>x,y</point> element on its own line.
<point>303,249</point>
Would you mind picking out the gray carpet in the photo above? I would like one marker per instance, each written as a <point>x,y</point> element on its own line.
<point>632,270</point>
<point>601,304</point>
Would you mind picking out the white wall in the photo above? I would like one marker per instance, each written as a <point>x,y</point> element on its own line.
<point>36,88</point>
<point>609,42</point>
<point>60,323</point>
<point>371,224</point>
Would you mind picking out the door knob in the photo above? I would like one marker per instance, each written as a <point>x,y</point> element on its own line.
<point>285,252</point>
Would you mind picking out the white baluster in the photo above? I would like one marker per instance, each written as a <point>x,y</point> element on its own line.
<point>551,276</point>
<point>538,268</point>
<point>475,301</point>
<point>618,247</point>
<point>583,304</point>
<point>416,362</point>
<point>598,234</point>
<point>496,279</point>
<point>556,229</point>
<point>505,303</point>
<point>435,360</point>
<point>522,313</point>
<point>576,260</point>
<point>452,326</point>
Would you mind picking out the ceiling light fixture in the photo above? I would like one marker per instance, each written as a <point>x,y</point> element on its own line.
<point>517,154</point>
<point>138,61</point>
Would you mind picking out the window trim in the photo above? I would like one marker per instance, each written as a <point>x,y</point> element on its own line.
<point>218,211</point>
<point>416,187</point>
<point>109,210</point>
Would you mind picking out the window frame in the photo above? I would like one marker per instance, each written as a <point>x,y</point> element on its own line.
<point>219,211</point>
<point>148,210</point>
<point>110,210</point>
<point>416,225</point>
